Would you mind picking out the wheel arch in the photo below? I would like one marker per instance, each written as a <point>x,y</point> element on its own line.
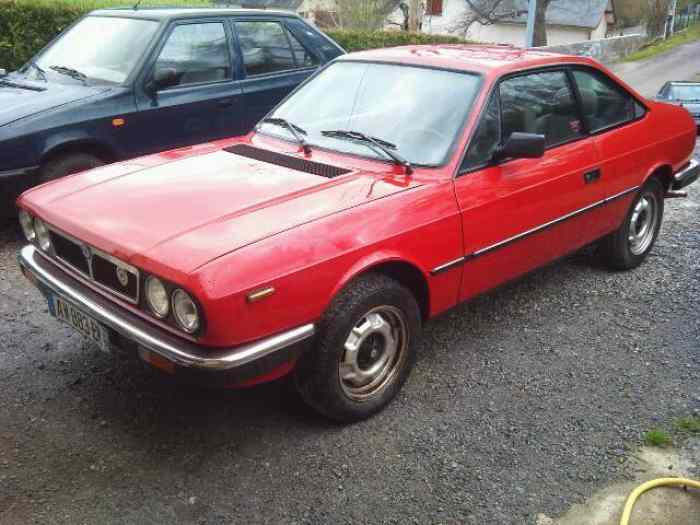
<point>662,171</point>
<point>83,145</point>
<point>402,270</point>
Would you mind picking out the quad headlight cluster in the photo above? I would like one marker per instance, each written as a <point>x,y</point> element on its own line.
<point>164,300</point>
<point>35,230</point>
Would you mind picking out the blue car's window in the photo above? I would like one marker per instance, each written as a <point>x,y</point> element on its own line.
<point>101,48</point>
<point>419,110</point>
<point>268,47</point>
<point>197,52</point>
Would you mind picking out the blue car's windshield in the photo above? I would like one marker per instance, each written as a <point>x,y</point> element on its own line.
<point>418,111</point>
<point>685,92</point>
<point>99,48</point>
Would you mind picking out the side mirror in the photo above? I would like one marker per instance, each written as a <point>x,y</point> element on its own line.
<point>162,78</point>
<point>522,146</point>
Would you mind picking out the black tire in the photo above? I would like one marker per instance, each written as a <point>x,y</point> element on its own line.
<point>318,374</point>
<point>617,249</point>
<point>67,164</point>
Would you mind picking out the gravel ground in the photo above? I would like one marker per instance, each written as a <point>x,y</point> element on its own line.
<point>523,401</point>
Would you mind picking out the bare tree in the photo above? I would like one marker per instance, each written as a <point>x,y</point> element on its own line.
<point>655,16</point>
<point>364,14</point>
<point>487,12</point>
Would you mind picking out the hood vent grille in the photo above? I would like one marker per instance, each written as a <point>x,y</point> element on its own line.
<point>294,163</point>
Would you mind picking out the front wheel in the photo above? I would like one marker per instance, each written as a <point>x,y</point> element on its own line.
<point>364,351</point>
<point>627,247</point>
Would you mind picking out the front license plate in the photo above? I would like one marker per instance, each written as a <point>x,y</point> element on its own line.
<point>83,323</point>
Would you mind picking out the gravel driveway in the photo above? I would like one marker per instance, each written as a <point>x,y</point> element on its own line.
<point>523,401</point>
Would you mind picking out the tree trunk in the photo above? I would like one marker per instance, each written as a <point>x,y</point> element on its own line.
<point>414,15</point>
<point>540,37</point>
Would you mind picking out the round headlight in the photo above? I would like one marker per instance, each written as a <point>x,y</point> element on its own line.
<point>185,311</point>
<point>27,223</point>
<point>42,235</point>
<point>157,297</point>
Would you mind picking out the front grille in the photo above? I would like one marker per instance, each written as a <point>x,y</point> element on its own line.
<point>99,267</point>
<point>70,252</point>
<point>105,272</point>
<point>287,161</point>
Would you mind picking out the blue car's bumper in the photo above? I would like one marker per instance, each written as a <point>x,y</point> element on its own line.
<point>12,183</point>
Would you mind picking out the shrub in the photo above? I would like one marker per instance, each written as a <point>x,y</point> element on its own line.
<point>360,40</point>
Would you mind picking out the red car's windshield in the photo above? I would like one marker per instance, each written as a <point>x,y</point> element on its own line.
<point>418,110</point>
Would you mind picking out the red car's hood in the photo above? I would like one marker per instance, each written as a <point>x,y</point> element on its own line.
<point>187,212</point>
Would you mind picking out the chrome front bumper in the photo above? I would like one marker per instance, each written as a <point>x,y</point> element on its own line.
<point>50,278</point>
<point>687,175</point>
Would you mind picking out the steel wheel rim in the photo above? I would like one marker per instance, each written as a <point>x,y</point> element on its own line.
<point>643,222</point>
<point>373,352</point>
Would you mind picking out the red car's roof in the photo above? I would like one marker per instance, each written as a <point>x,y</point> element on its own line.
<point>479,58</point>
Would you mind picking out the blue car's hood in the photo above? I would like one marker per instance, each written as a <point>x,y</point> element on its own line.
<point>20,98</point>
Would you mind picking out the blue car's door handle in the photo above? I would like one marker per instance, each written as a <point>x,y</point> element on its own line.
<point>225,103</point>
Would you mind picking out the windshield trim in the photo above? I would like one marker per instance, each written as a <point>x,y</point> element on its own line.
<point>450,152</point>
<point>133,74</point>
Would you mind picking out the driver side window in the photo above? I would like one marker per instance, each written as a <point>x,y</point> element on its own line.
<point>197,53</point>
<point>486,139</point>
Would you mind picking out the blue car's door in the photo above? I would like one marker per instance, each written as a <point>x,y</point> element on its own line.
<point>201,98</point>
<point>274,62</point>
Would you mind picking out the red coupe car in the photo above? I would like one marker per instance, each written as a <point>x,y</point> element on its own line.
<point>391,186</point>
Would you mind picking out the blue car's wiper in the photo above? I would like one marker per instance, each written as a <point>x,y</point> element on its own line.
<point>389,149</point>
<point>39,70</point>
<point>73,73</point>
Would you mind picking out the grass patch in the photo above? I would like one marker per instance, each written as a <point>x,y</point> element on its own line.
<point>688,425</point>
<point>657,438</point>
<point>661,46</point>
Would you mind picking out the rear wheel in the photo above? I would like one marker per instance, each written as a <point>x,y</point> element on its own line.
<point>364,351</point>
<point>68,164</point>
<point>627,247</point>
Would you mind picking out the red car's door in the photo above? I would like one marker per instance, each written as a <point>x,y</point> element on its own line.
<point>522,213</point>
<point>614,118</point>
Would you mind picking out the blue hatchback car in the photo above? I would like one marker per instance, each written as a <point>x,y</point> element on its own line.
<point>120,83</point>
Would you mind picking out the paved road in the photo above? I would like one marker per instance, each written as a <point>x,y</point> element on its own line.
<point>647,76</point>
<point>524,401</point>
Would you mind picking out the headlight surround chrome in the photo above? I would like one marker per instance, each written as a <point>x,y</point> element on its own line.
<point>185,311</point>
<point>27,223</point>
<point>157,297</point>
<point>43,238</point>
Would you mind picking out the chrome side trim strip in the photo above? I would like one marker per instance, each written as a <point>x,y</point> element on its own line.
<point>447,266</point>
<point>135,329</point>
<point>501,244</point>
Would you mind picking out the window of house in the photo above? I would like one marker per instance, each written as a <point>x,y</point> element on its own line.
<point>486,139</point>
<point>540,103</point>
<point>434,7</point>
<point>604,103</point>
<point>197,52</point>
<point>268,47</point>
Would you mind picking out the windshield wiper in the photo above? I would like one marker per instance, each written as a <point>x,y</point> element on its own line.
<point>73,73</point>
<point>39,70</point>
<point>295,130</point>
<point>389,149</point>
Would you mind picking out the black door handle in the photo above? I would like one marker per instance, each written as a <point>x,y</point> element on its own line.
<point>591,176</point>
<point>225,103</point>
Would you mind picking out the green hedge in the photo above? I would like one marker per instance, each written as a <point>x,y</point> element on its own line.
<point>360,40</point>
<point>27,25</point>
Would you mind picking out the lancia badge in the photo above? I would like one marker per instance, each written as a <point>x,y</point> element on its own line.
<point>122,276</point>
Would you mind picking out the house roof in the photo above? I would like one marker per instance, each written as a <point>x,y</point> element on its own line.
<point>572,13</point>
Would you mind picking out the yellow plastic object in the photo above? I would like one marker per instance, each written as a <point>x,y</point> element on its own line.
<point>641,489</point>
